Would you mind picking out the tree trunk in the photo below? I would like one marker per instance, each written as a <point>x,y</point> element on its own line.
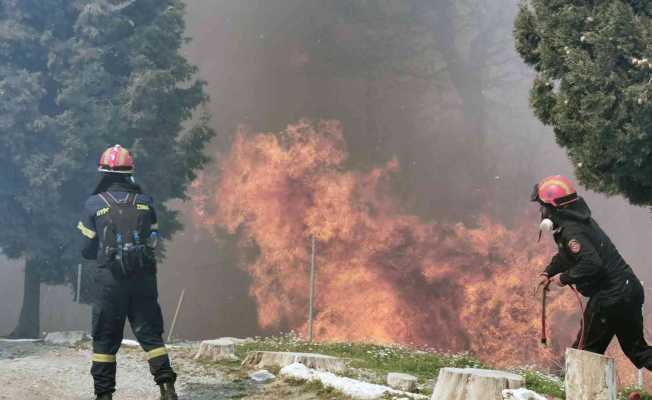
<point>370,143</point>
<point>216,350</point>
<point>590,376</point>
<point>467,72</point>
<point>29,322</point>
<point>268,359</point>
<point>474,384</point>
<point>467,77</point>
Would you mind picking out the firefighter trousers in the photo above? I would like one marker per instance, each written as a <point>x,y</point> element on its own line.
<point>623,320</point>
<point>117,299</point>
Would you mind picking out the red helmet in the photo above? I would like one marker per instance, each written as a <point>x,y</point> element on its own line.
<point>555,190</point>
<point>116,159</point>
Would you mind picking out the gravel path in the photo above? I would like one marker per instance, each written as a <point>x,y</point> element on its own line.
<point>35,371</point>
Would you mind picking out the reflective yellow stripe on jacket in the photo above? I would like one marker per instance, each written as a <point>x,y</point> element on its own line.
<point>89,233</point>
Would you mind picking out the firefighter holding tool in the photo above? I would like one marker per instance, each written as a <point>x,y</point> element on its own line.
<point>120,230</point>
<point>589,261</point>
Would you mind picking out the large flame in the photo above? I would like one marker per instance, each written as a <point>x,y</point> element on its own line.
<point>383,275</point>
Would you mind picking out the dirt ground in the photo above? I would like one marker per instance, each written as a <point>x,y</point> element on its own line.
<point>35,371</point>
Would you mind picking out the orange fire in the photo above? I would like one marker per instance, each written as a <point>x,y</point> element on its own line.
<point>383,275</point>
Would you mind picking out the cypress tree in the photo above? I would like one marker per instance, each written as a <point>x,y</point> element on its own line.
<point>75,78</point>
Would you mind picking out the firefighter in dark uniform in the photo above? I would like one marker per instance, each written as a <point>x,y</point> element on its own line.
<point>588,260</point>
<point>120,230</point>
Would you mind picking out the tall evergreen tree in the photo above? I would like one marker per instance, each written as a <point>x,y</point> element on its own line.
<point>76,77</point>
<point>594,86</point>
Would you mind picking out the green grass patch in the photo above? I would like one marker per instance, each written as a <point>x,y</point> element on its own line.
<point>370,362</point>
<point>626,392</point>
<point>326,393</point>
<point>544,384</point>
<point>379,359</point>
<point>318,388</point>
<point>295,382</point>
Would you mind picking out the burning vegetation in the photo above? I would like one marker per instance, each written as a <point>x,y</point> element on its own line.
<point>383,275</point>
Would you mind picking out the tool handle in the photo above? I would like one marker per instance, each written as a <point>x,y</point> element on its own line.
<point>544,299</point>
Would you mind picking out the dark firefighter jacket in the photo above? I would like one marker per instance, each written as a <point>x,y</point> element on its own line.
<point>95,207</point>
<point>587,258</point>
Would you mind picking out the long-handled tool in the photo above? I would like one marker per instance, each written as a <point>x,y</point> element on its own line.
<point>176,315</point>
<point>544,299</point>
<point>580,344</point>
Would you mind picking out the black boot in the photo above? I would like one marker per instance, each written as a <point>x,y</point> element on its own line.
<point>104,396</point>
<point>168,392</point>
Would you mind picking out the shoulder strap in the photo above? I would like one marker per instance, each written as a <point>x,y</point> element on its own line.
<point>107,199</point>
<point>111,201</point>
